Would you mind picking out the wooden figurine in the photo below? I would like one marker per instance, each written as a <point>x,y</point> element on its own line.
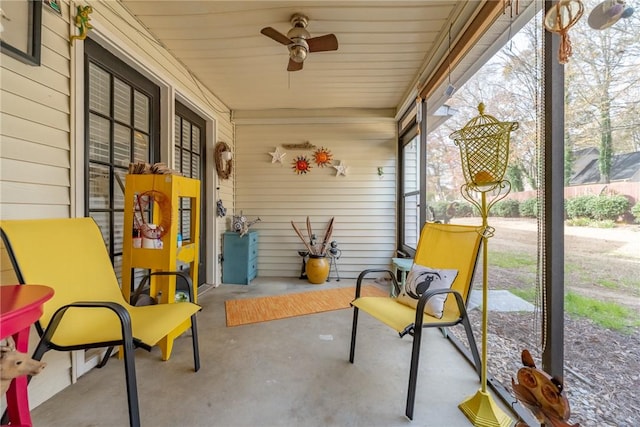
<point>541,394</point>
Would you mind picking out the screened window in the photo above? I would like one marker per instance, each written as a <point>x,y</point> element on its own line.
<point>411,192</point>
<point>524,260</point>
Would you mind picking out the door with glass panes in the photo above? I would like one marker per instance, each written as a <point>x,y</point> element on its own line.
<point>122,110</point>
<point>189,145</point>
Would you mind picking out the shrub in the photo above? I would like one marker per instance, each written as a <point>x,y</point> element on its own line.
<point>529,208</point>
<point>465,209</point>
<point>578,207</point>
<point>608,207</point>
<point>439,209</point>
<point>635,211</point>
<point>509,208</point>
<point>443,211</point>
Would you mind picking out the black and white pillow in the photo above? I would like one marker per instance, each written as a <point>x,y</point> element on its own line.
<point>422,278</point>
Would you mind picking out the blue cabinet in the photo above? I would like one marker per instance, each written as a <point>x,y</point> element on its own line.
<point>240,262</point>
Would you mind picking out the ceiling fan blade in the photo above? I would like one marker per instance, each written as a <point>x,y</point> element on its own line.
<point>294,66</point>
<point>323,43</point>
<point>276,35</point>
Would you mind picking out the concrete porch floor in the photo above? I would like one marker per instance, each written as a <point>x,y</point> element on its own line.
<point>289,372</point>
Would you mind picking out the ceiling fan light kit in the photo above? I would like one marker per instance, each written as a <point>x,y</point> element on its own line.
<point>608,13</point>
<point>299,42</point>
<point>298,52</point>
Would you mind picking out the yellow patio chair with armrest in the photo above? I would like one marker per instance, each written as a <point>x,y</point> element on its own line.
<point>442,247</point>
<point>88,309</point>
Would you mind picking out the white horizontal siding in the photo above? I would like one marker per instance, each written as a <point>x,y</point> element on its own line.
<point>363,204</point>
<point>27,194</point>
<point>14,148</point>
<point>13,83</point>
<point>35,115</point>
<point>27,130</point>
<point>24,171</point>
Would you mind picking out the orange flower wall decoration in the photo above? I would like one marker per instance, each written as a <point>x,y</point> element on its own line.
<point>301,165</point>
<point>322,157</point>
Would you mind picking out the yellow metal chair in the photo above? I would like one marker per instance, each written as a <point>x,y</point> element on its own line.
<point>441,246</point>
<point>88,309</point>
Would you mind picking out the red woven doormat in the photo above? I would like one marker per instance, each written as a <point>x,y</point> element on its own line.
<point>262,309</point>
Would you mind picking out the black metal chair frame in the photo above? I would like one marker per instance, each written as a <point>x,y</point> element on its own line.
<point>415,329</point>
<point>128,342</point>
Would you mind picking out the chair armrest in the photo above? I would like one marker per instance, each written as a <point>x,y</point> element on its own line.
<point>178,274</point>
<point>428,294</point>
<point>117,309</point>
<point>364,273</point>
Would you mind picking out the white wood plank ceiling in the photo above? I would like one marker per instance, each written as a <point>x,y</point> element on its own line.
<point>386,48</point>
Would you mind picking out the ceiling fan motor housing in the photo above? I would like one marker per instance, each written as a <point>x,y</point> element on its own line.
<point>300,48</point>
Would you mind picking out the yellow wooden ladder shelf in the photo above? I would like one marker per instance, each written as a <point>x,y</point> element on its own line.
<point>175,188</point>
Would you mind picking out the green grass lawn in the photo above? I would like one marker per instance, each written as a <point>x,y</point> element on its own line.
<point>609,315</point>
<point>606,314</point>
<point>512,260</point>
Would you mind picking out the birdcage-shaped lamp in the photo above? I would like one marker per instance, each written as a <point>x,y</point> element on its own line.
<point>484,150</point>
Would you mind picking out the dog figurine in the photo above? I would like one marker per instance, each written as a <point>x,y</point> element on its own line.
<point>14,364</point>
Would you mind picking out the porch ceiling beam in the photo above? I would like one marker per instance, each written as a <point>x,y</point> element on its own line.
<point>483,20</point>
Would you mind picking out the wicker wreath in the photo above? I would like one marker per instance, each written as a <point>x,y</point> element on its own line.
<point>143,202</point>
<point>224,170</point>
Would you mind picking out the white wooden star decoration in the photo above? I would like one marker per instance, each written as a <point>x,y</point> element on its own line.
<point>277,156</point>
<point>341,169</point>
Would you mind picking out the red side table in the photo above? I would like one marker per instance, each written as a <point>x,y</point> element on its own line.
<point>20,307</point>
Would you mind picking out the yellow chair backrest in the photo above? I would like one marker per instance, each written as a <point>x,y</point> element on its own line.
<point>450,246</point>
<point>68,255</point>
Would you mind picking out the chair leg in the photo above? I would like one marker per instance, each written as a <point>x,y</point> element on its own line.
<point>413,373</point>
<point>106,357</point>
<point>472,345</point>
<point>41,349</point>
<point>354,329</point>
<point>444,331</point>
<point>194,337</point>
<point>132,387</point>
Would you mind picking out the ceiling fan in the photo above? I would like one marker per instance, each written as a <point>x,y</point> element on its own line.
<point>299,41</point>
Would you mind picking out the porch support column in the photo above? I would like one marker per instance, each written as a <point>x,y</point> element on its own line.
<point>553,203</point>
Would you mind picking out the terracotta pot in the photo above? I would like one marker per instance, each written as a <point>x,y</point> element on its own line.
<point>317,269</point>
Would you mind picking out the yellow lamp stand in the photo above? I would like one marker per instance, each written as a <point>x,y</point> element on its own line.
<point>484,154</point>
<point>483,411</point>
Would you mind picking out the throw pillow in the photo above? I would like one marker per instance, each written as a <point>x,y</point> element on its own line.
<point>422,278</point>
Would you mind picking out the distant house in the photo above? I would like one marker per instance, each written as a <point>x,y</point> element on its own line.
<point>582,158</point>
<point>624,167</point>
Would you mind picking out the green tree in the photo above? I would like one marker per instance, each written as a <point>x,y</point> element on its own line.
<point>514,175</point>
<point>604,87</point>
<point>569,159</point>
